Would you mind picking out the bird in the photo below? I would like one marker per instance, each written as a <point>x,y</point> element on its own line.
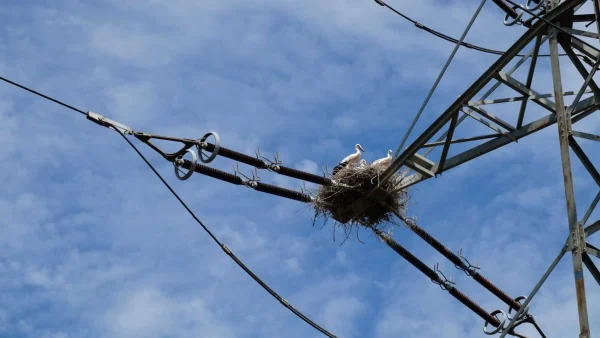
<point>351,159</point>
<point>383,163</point>
<point>362,164</point>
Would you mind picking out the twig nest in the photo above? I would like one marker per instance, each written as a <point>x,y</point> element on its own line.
<point>360,199</point>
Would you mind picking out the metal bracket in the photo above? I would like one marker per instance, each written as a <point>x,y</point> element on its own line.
<point>187,144</point>
<point>569,245</point>
<point>576,239</point>
<point>447,282</point>
<point>108,123</point>
<point>273,165</point>
<point>250,182</point>
<point>469,271</point>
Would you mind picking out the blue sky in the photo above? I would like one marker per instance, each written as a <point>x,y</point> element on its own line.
<point>92,245</point>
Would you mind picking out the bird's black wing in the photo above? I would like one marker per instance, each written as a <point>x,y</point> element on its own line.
<point>339,167</point>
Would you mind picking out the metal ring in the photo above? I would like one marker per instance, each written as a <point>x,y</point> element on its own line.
<point>500,326</point>
<point>215,151</point>
<point>537,6</point>
<point>515,20</point>
<point>518,300</point>
<point>191,170</point>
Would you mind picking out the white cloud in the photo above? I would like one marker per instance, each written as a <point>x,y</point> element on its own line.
<point>345,122</point>
<point>132,102</point>
<point>94,246</point>
<point>148,312</point>
<point>308,166</point>
<point>3,320</point>
<point>131,45</point>
<point>293,266</point>
<point>340,315</point>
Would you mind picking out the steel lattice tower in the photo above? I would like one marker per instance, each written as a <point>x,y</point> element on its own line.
<point>550,25</point>
<point>553,25</point>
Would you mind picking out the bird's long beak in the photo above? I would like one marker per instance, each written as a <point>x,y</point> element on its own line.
<point>361,148</point>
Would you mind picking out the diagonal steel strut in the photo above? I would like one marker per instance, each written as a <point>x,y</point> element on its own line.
<point>536,29</point>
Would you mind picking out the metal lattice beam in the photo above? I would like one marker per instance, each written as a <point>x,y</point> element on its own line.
<point>555,27</point>
<point>535,30</point>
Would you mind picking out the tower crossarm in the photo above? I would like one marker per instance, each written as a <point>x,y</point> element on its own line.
<point>505,132</point>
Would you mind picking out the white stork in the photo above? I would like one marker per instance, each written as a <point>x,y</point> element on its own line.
<point>351,159</point>
<point>383,163</point>
<point>362,164</point>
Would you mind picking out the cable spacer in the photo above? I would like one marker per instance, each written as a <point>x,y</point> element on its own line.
<point>192,169</point>
<point>515,20</point>
<point>215,151</point>
<point>226,249</point>
<point>539,4</point>
<point>499,327</point>
<point>524,313</point>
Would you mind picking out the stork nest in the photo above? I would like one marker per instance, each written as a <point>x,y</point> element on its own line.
<point>354,187</point>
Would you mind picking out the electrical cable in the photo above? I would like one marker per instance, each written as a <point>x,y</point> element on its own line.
<point>214,238</point>
<point>448,38</point>
<point>225,248</point>
<point>42,95</point>
<point>557,27</point>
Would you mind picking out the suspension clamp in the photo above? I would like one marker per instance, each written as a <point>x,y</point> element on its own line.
<point>108,123</point>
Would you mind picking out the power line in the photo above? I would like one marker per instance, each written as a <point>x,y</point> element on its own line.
<point>42,95</point>
<point>225,248</point>
<point>446,37</point>
<point>214,238</point>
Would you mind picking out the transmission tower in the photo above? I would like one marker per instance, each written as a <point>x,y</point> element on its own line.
<point>550,24</point>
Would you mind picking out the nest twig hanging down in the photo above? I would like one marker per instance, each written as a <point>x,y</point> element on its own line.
<point>351,204</point>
